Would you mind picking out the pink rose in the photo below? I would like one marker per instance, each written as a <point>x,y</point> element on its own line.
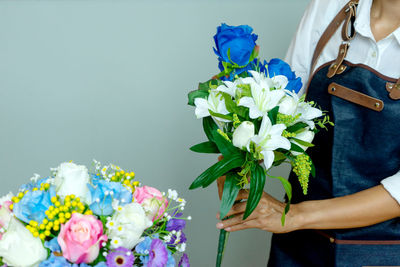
<point>152,201</point>
<point>80,238</point>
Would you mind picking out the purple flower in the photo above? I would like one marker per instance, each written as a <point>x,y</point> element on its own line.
<point>120,257</point>
<point>176,224</point>
<point>184,262</point>
<point>158,254</point>
<point>177,239</point>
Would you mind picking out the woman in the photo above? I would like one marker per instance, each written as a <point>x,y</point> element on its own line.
<point>349,217</point>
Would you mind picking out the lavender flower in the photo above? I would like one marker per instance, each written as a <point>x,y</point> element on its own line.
<point>158,254</point>
<point>184,262</point>
<point>120,257</point>
<point>176,224</point>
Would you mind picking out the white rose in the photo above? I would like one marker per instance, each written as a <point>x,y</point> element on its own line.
<point>243,134</point>
<point>306,136</point>
<point>72,179</point>
<point>288,105</point>
<point>128,222</point>
<point>18,247</point>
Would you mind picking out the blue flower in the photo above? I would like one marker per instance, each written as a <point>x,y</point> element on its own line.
<point>237,71</point>
<point>238,40</point>
<point>33,205</point>
<point>52,245</point>
<point>55,261</point>
<point>171,260</point>
<point>102,194</point>
<point>277,66</point>
<point>144,248</point>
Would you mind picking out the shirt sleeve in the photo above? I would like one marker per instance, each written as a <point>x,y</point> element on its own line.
<point>392,185</point>
<point>316,18</point>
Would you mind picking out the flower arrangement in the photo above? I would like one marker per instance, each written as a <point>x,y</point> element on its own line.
<point>253,116</point>
<point>101,218</point>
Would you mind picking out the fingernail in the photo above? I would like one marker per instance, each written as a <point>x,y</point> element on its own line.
<point>228,229</point>
<point>220,225</point>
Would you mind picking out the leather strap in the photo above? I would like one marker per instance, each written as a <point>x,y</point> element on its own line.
<point>355,97</point>
<point>332,28</point>
<point>358,242</point>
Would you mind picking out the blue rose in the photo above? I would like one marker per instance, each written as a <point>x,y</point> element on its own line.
<point>277,66</point>
<point>103,193</point>
<point>238,40</point>
<point>33,205</point>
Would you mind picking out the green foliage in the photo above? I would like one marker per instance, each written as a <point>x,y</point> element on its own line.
<point>297,127</point>
<point>229,195</point>
<point>209,126</point>
<point>221,116</point>
<point>257,183</point>
<point>217,170</point>
<point>224,146</point>
<point>296,148</point>
<point>273,114</point>
<point>205,147</point>
<point>303,143</point>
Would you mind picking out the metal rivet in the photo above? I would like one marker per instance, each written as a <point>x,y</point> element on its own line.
<point>332,240</point>
<point>390,86</point>
<point>341,68</point>
<point>333,66</point>
<point>341,51</point>
<point>333,89</point>
<point>377,105</point>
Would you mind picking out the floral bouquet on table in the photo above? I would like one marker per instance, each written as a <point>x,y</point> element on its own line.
<point>103,218</point>
<point>253,116</point>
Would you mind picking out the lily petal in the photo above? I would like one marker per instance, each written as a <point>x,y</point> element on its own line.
<point>268,158</point>
<point>201,110</point>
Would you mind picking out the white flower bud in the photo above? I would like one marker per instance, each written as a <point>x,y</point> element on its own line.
<point>243,134</point>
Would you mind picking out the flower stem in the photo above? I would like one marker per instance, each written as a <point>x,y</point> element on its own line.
<point>223,238</point>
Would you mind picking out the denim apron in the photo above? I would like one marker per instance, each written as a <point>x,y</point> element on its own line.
<point>356,154</point>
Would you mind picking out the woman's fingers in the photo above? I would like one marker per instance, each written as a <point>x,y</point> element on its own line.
<point>243,194</point>
<point>233,221</point>
<point>237,209</point>
<point>243,225</point>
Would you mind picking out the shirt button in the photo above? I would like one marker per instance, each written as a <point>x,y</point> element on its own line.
<point>373,54</point>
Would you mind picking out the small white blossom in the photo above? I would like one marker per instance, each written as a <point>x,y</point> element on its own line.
<point>172,194</point>
<point>181,247</point>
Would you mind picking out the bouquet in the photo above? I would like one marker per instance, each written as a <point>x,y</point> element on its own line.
<point>253,116</point>
<point>101,218</point>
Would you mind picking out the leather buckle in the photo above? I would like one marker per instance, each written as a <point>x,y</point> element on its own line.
<point>337,67</point>
<point>394,90</point>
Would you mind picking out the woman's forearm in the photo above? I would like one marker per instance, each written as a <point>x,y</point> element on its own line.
<point>364,208</point>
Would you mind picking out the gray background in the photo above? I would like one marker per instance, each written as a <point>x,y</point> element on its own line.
<point>109,80</point>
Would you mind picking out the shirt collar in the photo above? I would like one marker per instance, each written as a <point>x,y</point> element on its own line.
<point>362,24</point>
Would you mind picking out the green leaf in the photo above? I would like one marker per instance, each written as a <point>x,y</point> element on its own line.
<point>209,126</point>
<point>197,94</point>
<point>231,190</point>
<point>229,103</point>
<point>225,147</point>
<point>288,189</point>
<point>272,114</point>
<point>303,143</point>
<point>257,183</point>
<point>217,170</point>
<point>298,126</point>
<point>205,147</point>
<point>296,148</point>
<point>312,168</point>
<point>221,116</point>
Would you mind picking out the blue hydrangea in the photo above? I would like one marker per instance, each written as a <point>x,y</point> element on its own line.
<point>144,248</point>
<point>55,261</point>
<point>101,196</point>
<point>53,245</point>
<point>33,205</point>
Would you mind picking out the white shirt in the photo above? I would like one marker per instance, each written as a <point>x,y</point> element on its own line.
<point>383,56</point>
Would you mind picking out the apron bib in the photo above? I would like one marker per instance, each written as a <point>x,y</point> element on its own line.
<point>356,154</point>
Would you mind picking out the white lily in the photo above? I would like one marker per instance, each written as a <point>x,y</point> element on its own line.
<point>214,103</point>
<point>306,136</point>
<point>308,113</point>
<point>263,98</point>
<point>269,139</point>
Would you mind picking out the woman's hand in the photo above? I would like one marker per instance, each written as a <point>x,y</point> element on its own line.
<point>266,216</point>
